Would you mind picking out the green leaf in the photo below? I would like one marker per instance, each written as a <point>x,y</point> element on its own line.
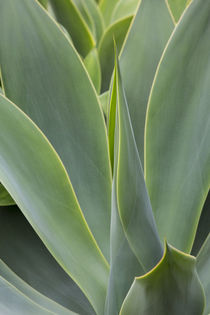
<point>47,80</point>
<point>104,98</point>
<point>12,301</point>
<point>172,287</point>
<point>141,53</point>
<point>5,198</point>
<point>177,7</point>
<point>124,265</point>
<point>116,31</point>
<point>203,267</point>
<point>90,9</point>
<point>69,16</point>
<point>23,251</point>
<point>107,7</point>
<point>30,293</point>
<point>33,174</point>
<point>43,2</point>
<point>133,202</point>
<point>178,130</point>
<point>124,8</point>
<point>93,67</point>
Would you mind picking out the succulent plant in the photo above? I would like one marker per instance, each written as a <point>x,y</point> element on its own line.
<point>104,159</point>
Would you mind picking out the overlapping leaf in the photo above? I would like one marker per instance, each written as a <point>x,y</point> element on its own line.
<point>5,198</point>
<point>172,287</point>
<point>25,254</point>
<point>177,7</point>
<point>141,53</point>
<point>178,129</point>
<point>38,182</point>
<point>46,78</point>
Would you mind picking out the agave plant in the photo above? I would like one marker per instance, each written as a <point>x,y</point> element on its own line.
<point>104,161</point>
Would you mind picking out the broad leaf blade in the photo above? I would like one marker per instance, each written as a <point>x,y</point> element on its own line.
<point>23,252</point>
<point>203,267</point>
<point>124,8</point>
<point>116,31</point>
<point>141,53</point>
<point>178,130</point>
<point>47,79</point>
<point>34,176</point>
<point>172,287</point>
<point>69,16</point>
<point>107,6</point>
<point>133,202</point>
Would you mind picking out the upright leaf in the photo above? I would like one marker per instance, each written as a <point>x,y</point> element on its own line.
<point>133,202</point>
<point>141,53</point>
<point>124,8</point>
<point>107,7</point>
<point>93,67</point>
<point>69,16</point>
<point>124,265</point>
<point>47,79</point>
<point>172,287</point>
<point>25,254</point>
<point>116,31</point>
<point>33,174</point>
<point>203,267</point>
<point>178,130</point>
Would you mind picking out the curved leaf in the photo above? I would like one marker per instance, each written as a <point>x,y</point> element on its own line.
<point>141,53</point>
<point>172,287</point>
<point>107,7</point>
<point>133,202</point>
<point>5,198</point>
<point>30,293</point>
<point>124,8</point>
<point>90,8</point>
<point>104,102</point>
<point>116,31</point>
<point>177,7</point>
<point>47,79</point>
<point>69,16</point>
<point>93,67</point>
<point>23,251</point>
<point>124,265</point>
<point>12,301</point>
<point>178,130</point>
<point>34,176</point>
<point>203,267</point>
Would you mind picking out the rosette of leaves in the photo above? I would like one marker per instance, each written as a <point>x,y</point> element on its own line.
<point>104,161</point>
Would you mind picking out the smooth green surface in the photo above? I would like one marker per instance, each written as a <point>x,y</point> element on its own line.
<point>178,130</point>
<point>203,268</point>
<point>12,301</point>
<point>90,8</point>
<point>124,8</point>
<point>177,7</point>
<point>5,198</point>
<point>69,16</point>
<point>25,254</point>
<point>48,201</point>
<point>116,31</point>
<point>133,202</point>
<point>30,293</point>
<point>104,98</point>
<point>107,7</point>
<point>172,287</point>
<point>124,265</point>
<point>141,53</point>
<point>93,67</point>
<point>46,79</point>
